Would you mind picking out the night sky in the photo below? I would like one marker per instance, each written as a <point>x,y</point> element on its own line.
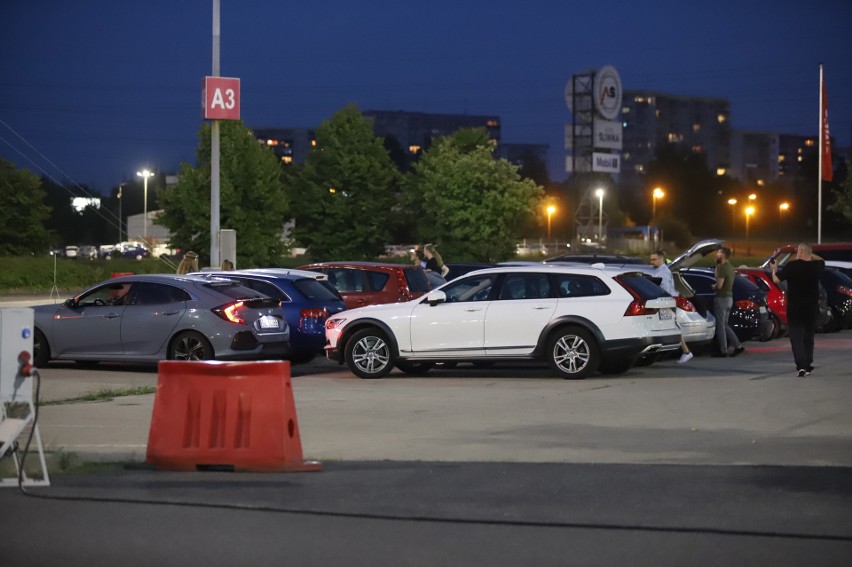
<point>92,91</point>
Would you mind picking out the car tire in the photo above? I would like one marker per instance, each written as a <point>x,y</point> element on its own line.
<point>368,354</point>
<point>190,345</point>
<point>41,350</point>
<point>572,353</point>
<point>414,368</point>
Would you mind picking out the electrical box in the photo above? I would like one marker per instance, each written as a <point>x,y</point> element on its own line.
<point>16,337</point>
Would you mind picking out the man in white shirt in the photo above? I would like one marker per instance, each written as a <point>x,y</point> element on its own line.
<point>662,271</point>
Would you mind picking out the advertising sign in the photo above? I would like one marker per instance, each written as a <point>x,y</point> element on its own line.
<point>607,134</point>
<point>221,98</point>
<point>606,163</point>
<point>607,93</point>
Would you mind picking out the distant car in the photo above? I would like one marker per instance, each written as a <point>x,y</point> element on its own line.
<point>87,252</point>
<point>577,319</point>
<point>71,251</point>
<point>148,318</point>
<point>371,283</point>
<point>776,298</point>
<point>307,299</point>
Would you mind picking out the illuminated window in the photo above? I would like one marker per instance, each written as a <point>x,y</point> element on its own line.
<point>287,159</point>
<point>799,158</point>
<point>674,137</point>
<point>271,142</point>
<point>809,142</point>
<point>639,99</point>
<point>639,168</point>
<point>721,171</point>
<point>332,190</point>
<point>696,127</point>
<point>625,110</point>
<point>696,149</point>
<point>760,182</point>
<point>414,149</point>
<point>650,100</point>
<point>721,118</point>
<point>781,158</point>
<point>492,123</point>
<point>313,143</point>
<point>659,113</point>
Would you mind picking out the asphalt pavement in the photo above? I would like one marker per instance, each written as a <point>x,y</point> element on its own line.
<point>716,462</point>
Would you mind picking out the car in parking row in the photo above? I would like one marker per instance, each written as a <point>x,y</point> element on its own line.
<point>577,319</point>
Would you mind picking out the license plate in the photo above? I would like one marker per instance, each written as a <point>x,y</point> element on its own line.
<point>665,314</point>
<point>268,322</point>
<point>762,309</point>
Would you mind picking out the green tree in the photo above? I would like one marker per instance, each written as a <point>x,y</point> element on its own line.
<point>251,196</point>
<point>24,214</point>
<point>344,193</point>
<point>843,200</point>
<point>470,203</point>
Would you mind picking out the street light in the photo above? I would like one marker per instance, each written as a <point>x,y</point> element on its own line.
<point>145,174</point>
<point>550,210</point>
<point>782,208</point>
<point>657,194</point>
<point>733,203</point>
<point>748,212</point>
<point>120,239</point>
<point>600,195</point>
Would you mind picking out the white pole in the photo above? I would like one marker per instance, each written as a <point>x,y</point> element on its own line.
<point>819,166</point>
<point>214,152</point>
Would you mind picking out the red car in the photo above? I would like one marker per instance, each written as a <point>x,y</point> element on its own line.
<point>776,299</point>
<point>369,283</point>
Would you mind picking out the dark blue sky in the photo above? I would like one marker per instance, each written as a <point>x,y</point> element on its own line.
<point>97,89</point>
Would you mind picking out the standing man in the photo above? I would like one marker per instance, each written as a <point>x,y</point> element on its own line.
<point>723,303</point>
<point>802,276</point>
<point>662,271</point>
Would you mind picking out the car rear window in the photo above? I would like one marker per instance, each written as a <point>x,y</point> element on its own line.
<point>417,280</point>
<point>378,280</point>
<point>234,290</point>
<point>313,289</point>
<point>641,285</point>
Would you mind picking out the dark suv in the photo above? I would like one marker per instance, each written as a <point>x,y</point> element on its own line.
<point>370,283</point>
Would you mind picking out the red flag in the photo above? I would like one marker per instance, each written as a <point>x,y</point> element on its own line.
<point>825,144</point>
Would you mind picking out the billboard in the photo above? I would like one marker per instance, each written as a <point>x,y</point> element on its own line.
<point>607,134</point>
<point>606,163</point>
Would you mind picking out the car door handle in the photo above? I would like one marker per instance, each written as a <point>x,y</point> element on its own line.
<point>170,312</point>
<point>541,307</point>
<point>111,315</point>
<point>472,309</point>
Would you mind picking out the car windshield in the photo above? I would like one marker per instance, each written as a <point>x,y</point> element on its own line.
<point>313,289</point>
<point>234,290</point>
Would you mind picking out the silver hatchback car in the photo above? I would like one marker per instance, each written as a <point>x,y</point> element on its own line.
<point>148,318</point>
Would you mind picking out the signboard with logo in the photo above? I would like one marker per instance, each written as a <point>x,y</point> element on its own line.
<point>221,98</point>
<point>607,134</point>
<point>606,163</point>
<point>607,92</point>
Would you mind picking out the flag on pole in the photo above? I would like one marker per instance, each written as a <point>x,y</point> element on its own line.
<point>825,144</point>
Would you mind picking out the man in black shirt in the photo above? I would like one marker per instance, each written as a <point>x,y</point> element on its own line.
<point>802,276</point>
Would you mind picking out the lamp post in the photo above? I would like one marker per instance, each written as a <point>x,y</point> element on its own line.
<point>600,195</point>
<point>145,174</point>
<point>656,194</point>
<point>733,202</point>
<point>120,187</point>
<point>550,210</point>
<point>748,212</point>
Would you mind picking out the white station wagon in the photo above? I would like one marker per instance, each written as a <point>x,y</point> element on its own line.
<point>577,319</point>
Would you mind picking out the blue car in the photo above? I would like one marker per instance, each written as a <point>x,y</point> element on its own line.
<point>307,298</point>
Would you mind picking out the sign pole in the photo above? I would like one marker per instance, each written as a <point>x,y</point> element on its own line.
<point>214,151</point>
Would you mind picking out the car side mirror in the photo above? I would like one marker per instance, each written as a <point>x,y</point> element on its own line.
<point>435,297</point>
<point>70,303</point>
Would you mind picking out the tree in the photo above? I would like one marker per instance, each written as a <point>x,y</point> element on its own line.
<point>843,200</point>
<point>252,198</point>
<point>470,203</point>
<point>24,214</point>
<point>343,195</point>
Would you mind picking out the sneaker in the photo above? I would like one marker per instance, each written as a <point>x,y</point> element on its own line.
<point>809,369</point>
<point>685,357</point>
<point>802,373</point>
<point>738,351</point>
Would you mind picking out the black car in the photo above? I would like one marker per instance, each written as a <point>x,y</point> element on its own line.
<point>749,316</point>
<point>838,297</point>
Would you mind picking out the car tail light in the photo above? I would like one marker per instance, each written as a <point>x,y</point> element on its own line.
<point>316,313</point>
<point>404,293</point>
<point>844,290</point>
<point>746,305</point>
<point>684,304</point>
<point>637,306</point>
<point>231,312</point>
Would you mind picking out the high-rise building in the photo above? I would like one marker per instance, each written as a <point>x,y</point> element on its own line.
<point>696,124</point>
<point>792,151</point>
<point>754,156</point>
<point>288,144</point>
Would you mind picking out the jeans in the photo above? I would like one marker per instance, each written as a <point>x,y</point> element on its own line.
<point>724,333</point>
<point>801,327</point>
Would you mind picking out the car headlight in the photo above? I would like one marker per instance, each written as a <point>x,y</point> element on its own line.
<point>334,323</point>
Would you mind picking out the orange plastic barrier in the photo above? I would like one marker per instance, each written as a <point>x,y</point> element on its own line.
<point>225,414</point>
